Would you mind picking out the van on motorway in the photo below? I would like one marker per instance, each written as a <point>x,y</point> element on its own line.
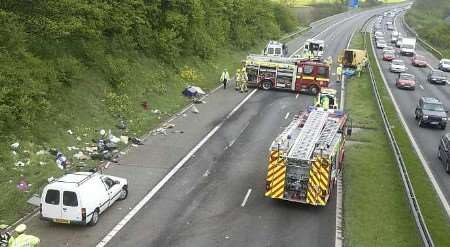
<point>80,198</point>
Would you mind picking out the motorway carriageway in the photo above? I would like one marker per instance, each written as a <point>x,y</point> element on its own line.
<point>427,138</point>
<point>217,197</point>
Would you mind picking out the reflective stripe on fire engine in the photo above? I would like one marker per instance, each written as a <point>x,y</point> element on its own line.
<point>322,79</point>
<point>318,184</point>
<point>276,174</point>
<point>308,77</point>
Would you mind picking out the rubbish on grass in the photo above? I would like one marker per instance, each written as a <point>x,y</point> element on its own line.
<point>42,163</point>
<point>122,124</point>
<point>81,156</point>
<point>15,146</point>
<point>91,149</point>
<point>156,111</point>
<point>72,148</point>
<point>193,91</point>
<point>113,139</point>
<point>22,185</point>
<point>78,138</point>
<point>195,110</point>
<point>20,163</point>
<point>136,141</point>
<point>124,139</point>
<point>70,132</point>
<point>41,152</point>
<point>145,105</point>
<point>160,131</point>
<point>61,161</point>
<point>102,132</point>
<point>14,152</point>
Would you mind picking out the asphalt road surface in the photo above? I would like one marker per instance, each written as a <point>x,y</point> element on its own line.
<point>217,197</point>
<point>427,138</point>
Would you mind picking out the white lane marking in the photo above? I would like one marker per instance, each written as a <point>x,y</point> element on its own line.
<point>296,96</point>
<point>424,163</point>
<point>169,175</point>
<point>421,87</point>
<point>287,115</point>
<point>246,197</point>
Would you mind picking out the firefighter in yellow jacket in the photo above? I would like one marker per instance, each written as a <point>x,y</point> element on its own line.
<point>243,82</point>
<point>237,80</point>
<point>24,240</point>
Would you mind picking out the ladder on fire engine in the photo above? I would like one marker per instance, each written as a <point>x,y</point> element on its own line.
<point>309,135</point>
<point>328,133</point>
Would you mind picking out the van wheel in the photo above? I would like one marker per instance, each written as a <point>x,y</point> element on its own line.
<point>94,218</point>
<point>314,90</point>
<point>123,194</point>
<point>447,168</point>
<point>266,85</point>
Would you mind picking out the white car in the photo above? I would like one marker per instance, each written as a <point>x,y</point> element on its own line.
<point>397,66</point>
<point>444,65</point>
<point>388,48</point>
<point>80,198</point>
<point>381,43</point>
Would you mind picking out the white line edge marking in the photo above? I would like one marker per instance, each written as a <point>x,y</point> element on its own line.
<point>169,175</point>
<point>424,163</point>
<point>287,115</point>
<point>296,96</point>
<point>246,198</point>
<point>174,170</point>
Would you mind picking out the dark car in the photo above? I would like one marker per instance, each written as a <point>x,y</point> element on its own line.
<point>438,77</point>
<point>406,81</point>
<point>418,61</point>
<point>444,152</point>
<point>430,111</point>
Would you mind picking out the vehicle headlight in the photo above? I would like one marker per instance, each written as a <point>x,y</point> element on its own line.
<point>444,119</point>
<point>425,117</point>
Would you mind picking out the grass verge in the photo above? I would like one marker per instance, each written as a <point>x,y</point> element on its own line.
<point>433,213</point>
<point>88,102</point>
<point>376,209</point>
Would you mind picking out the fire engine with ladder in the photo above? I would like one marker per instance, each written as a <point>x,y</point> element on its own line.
<point>306,158</point>
<point>294,74</point>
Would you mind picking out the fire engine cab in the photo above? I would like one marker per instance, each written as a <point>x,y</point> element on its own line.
<point>291,74</point>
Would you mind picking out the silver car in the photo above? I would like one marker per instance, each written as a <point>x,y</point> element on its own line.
<point>398,66</point>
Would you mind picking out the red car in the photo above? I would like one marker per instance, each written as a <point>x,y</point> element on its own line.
<point>388,55</point>
<point>418,61</point>
<point>406,81</point>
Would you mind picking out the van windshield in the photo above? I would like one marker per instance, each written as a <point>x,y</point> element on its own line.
<point>70,199</point>
<point>52,197</point>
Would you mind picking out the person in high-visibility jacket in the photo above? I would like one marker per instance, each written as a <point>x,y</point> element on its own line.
<point>5,237</point>
<point>224,78</point>
<point>358,69</point>
<point>365,63</point>
<point>243,82</point>
<point>24,240</point>
<point>339,72</point>
<point>238,80</point>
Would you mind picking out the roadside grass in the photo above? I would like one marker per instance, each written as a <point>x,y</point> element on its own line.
<point>375,207</point>
<point>84,110</point>
<point>432,210</point>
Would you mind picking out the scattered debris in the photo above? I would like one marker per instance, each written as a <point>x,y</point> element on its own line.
<point>22,185</point>
<point>14,152</point>
<point>122,124</point>
<point>34,200</point>
<point>20,163</point>
<point>81,156</point>
<point>156,111</point>
<point>61,161</point>
<point>136,141</point>
<point>178,131</point>
<point>195,110</point>
<point>15,146</point>
<point>168,126</point>
<point>124,139</point>
<point>70,132</point>
<point>160,131</point>
<point>72,148</point>
<point>42,163</point>
<point>41,152</point>
<point>145,105</point>
<point>78,138</point>
<point>193,91</point>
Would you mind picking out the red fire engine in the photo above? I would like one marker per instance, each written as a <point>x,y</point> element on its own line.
<point>287,73</point>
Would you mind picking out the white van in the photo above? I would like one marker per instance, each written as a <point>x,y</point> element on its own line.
<point>80,198</point>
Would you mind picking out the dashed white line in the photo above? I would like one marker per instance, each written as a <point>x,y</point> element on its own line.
<point>287,115</point>
<point>169,175</point>
<point>421,87</point>
<point>246,198</point>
